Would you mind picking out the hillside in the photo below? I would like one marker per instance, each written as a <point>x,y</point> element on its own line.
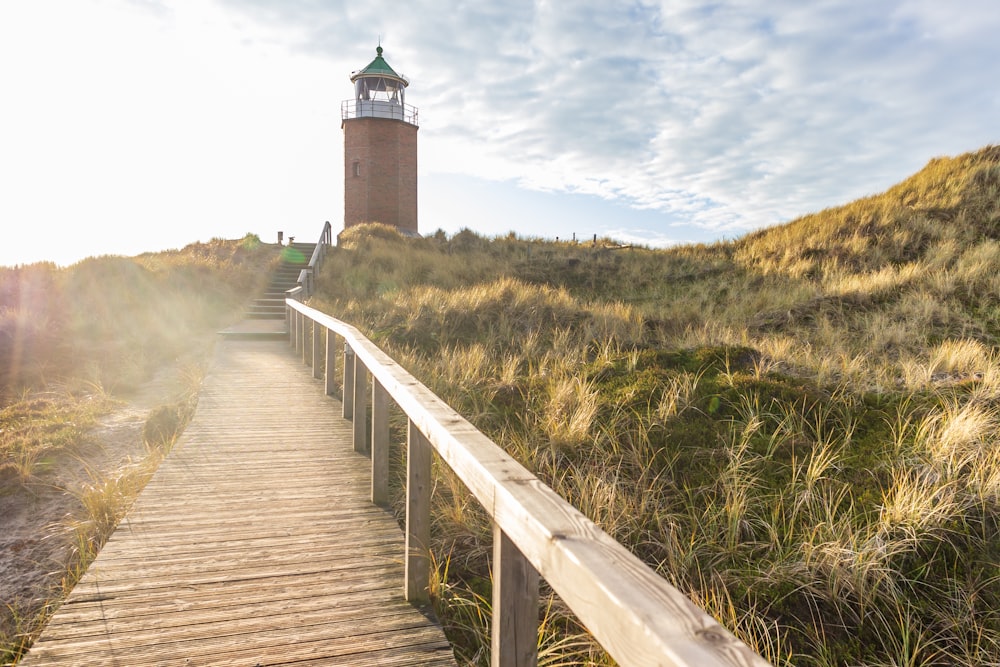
<point>798,428</point>
<point>114,318</point>
<point>99,369</point>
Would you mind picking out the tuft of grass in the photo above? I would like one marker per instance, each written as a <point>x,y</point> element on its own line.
<point>39,426</point>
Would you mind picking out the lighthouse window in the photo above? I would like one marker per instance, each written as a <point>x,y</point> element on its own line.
<point>357,168</point>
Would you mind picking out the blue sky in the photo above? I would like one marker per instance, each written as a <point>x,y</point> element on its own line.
<point>134,125</point>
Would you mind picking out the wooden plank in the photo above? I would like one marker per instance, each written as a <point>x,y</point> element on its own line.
<point>637,616</point>
<point>380,445</point>
<point>307,324</point>
<point>254,543</point>
<point>360,408</point>
<point>304,593</point>
<point>515,606</point>
<point>272,647</point>
<point>219,594</point>
<point>296,327</point>
<point>418,515</point>
<point>317,353</point>
<point>131,633</point>
<point>209,546</point>
<point>348,384</point>
<point>330,376</point>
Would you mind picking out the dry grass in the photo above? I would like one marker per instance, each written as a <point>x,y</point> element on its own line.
<point>111,320</point>
<point>798,429</point>
<point>70,341</point>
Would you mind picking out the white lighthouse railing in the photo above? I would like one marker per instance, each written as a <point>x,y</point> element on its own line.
<point>378,109</point>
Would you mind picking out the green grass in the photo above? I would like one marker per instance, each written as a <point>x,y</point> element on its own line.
<point>798,429</point>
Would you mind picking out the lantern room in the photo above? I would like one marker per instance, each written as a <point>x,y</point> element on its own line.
<point>379,92</point>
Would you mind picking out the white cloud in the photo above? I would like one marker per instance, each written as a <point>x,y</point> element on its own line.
<point>731,115</point>
<point>643,237</point>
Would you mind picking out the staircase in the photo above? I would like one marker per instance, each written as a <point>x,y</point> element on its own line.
<point>265,318</point>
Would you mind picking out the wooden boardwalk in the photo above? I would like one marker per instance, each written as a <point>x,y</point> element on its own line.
<point>254,543</point>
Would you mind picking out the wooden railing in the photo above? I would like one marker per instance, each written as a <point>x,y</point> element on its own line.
<point>307,276</point>
<point>634,613</point>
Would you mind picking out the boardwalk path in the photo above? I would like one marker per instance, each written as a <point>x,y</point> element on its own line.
<point>254,543</point>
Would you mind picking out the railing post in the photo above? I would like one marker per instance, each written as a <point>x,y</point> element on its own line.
<point>317,353</point>
<point>515,606</point>
<point>295,331</point>
<point>290,324</point>
<point>298,331</point>
<point>418,514</point>
<point>331,363</point>
<point>360,405</point>
<point>380,444</point>
<point>348,397</point>
<point>305,336</point>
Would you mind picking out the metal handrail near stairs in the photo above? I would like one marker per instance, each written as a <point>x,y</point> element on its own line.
<point>637,616</point>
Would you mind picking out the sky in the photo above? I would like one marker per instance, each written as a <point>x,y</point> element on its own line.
<point>140,125</point>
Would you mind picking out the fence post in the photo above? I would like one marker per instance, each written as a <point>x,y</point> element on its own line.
<point>515,606</point>
<point>348,397</point>
<point>297,316</point>
<point>418,514</point>
<point>317,353</point>
<point>360,405</point>
<point>290,324</point>
<point>305,348</point>
<point>380,444</point>
<point>331,363</point>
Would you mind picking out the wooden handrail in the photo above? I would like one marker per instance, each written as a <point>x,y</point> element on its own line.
<point>637,616</point>
<point>307,276</point>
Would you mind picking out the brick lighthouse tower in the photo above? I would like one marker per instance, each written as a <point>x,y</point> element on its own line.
<point>380,149</point>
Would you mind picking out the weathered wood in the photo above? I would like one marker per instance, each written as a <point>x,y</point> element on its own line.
<point>360,408</point>
<point>348,398</point>
<point>637,616</point>
<point>331,363</point>
<point>298,332</point>
<point>515,606</point>
<point>254,543</point>
<point>380,444</point>
<point>317,352</point>
<point>418,514</point>
<point>305,349</point>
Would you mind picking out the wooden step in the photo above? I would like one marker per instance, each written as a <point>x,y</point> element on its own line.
<point>265,316</point>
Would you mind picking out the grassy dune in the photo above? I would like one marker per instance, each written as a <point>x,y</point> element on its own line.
<point>110,319</point>
<point>799,429</point>
<point>74,342</point>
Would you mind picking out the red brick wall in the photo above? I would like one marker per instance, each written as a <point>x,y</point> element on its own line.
<point>385,190</point>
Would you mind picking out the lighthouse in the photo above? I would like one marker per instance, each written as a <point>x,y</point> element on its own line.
<point>380,149</point>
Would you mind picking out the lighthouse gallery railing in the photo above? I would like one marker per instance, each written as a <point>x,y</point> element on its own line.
<point>379,109</point>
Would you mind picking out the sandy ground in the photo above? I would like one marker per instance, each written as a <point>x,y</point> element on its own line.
<point>36,541</point>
